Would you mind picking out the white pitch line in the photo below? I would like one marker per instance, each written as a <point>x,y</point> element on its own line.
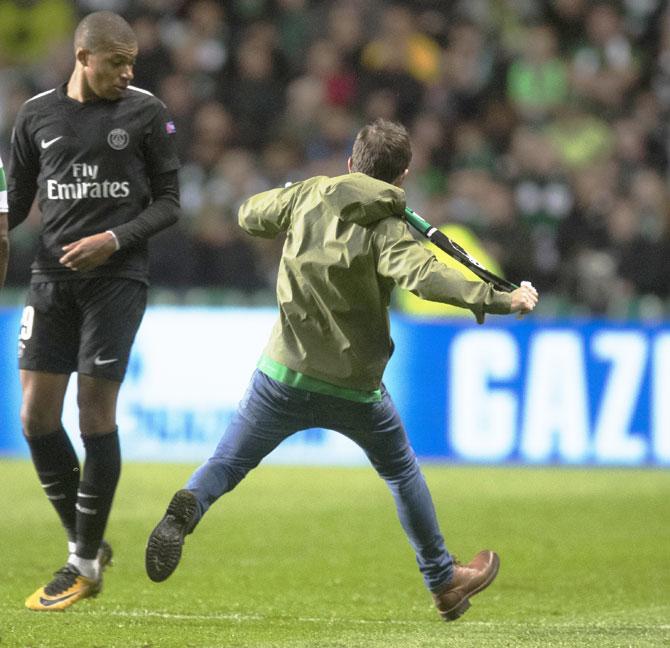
<point>234,616</point>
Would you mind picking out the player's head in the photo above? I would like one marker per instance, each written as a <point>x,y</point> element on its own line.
<point>105,47</point>
<point>382,150</point>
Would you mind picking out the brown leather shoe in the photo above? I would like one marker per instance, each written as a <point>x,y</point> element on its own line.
<point>453,600</point>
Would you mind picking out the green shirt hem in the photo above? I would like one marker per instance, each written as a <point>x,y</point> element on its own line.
<point>287,376</point>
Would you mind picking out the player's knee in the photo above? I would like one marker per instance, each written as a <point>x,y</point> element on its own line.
<point>94,421</point>
<point>36,422</point>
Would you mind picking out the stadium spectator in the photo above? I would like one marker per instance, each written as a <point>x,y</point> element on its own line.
<point>537,81</point>
<point>606,65</point>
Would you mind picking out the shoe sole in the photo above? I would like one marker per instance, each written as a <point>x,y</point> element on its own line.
<point>464,604</point>
<point>163,551</point>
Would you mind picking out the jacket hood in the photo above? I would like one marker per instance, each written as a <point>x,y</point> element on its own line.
<point>361,199</point>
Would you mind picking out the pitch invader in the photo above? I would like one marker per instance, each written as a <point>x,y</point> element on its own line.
<point>99,154</point>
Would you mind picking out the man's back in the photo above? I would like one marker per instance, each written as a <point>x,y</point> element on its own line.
<point>346,247</point>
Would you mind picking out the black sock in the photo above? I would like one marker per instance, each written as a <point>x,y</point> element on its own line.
<point>57,468</point>
<point>96,490</point>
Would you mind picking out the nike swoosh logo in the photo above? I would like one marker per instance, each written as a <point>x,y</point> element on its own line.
<point>98,362</point>
<point>45,145</point>
<point>50,602</point>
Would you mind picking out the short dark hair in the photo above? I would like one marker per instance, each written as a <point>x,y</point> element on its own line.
<point>101,29</point>
<point>382,150</point>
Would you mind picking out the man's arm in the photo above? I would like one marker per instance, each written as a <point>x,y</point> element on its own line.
<point>411,266</point>
<point>92,251</point>
<point>22,172</point>
<point>268,213</point>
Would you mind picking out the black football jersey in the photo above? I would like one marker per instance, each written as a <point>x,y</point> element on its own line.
<point>91,165</point>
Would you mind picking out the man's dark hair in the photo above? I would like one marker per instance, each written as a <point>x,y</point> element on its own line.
<point>100,29</point>
<point>382,150</point>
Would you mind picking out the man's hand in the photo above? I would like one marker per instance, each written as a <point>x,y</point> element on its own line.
<point>524,298</point>
<point>89,252</point>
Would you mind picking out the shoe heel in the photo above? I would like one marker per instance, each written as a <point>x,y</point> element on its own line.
<point>457,612</point>
<point>183,507</point>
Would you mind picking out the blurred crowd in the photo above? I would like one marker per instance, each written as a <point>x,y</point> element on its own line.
<point>539,127</point>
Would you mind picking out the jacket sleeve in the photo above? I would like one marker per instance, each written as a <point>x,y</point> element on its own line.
<point>410,265</point>
<point>268,213</point>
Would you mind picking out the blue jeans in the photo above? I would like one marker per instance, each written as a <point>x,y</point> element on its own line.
<point>271,411</point>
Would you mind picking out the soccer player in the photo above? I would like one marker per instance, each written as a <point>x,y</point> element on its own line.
<point>346,247</point>
<point>99,154</point>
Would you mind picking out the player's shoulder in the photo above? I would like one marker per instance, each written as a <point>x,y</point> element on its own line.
<point>40,101</point>
<point>143,97</point>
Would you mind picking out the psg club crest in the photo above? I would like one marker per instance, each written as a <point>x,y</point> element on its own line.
<point>118,139</point>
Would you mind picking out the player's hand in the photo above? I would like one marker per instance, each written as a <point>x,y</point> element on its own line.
<point>89,252</point>
<point>524,298</point>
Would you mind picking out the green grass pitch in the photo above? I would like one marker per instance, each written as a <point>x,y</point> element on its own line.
<point>315,557</point>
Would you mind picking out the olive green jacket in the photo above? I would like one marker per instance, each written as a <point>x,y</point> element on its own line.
<point>346,247</point>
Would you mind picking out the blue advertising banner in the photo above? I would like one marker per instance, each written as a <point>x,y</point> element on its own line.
<point>535,392</point>
<point>11,440</point>
<point>509,391</point>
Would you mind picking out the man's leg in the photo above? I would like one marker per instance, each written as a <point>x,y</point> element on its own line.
<point>96,399</point>
<point>267,414</point>
<point>111,312</point>
<point>53,456</point>
<point>381,434</point>
<point>85,506</point>
<point>87,320</point>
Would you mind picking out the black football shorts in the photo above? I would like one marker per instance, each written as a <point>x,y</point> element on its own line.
<point>83,325</point>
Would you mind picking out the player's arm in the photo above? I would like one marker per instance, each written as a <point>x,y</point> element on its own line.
<point>411,266</point>
<point>268,213</point>
<point>4,227</point>
<point>92,251</point>
<point>19,186</point>
<point>4,247</point>
<point>22,171</point>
